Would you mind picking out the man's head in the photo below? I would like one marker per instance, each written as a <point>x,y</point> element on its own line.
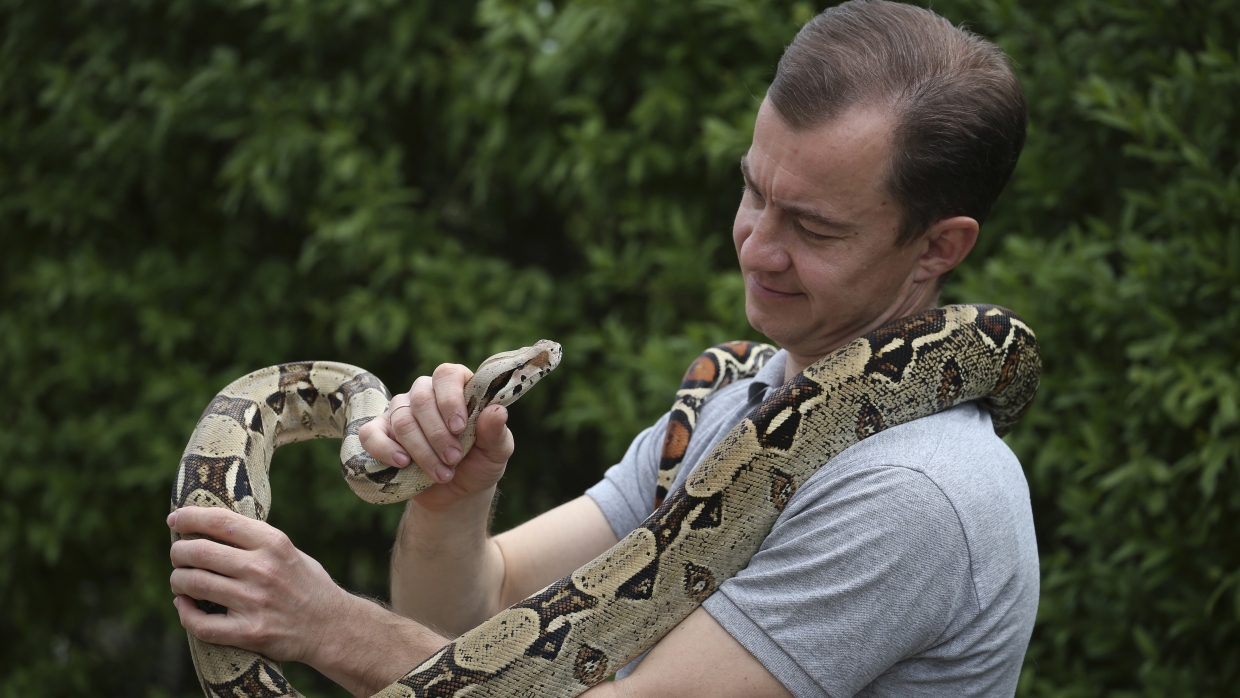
<point>882,144</point>
<point>960,112</point>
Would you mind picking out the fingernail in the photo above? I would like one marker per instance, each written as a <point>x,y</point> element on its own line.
<point>456,424</point>
<point>502,411</point>
<point>176,601</point>
<point>451,455</point>
<point>401,458</point>
<point>444,473</point>
<point>172,519</point>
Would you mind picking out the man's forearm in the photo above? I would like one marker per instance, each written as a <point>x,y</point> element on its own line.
<point>372,647</point>
<point>446,572</point>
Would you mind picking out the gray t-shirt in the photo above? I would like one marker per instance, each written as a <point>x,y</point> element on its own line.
<point>906,566</point>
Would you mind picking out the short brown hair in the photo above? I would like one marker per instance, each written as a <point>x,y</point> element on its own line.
<point>959,109</point>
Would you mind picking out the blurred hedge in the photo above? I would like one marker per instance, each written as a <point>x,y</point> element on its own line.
<point>192,189</point>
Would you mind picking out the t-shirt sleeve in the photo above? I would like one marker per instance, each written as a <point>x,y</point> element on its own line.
<point>626,492</point>
<point>858,574</point>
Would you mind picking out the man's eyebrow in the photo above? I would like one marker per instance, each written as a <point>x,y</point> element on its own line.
<point>805,212</point>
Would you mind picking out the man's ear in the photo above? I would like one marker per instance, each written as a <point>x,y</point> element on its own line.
<point>946,243</point>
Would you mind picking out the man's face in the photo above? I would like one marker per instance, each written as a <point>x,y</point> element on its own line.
<point>816,233</point>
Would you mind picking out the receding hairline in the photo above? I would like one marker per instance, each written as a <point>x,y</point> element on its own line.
<point>950,154</point>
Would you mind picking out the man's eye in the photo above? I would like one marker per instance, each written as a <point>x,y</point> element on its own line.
<point>811,234</point>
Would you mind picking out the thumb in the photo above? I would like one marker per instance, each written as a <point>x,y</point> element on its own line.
<point>493,436</point>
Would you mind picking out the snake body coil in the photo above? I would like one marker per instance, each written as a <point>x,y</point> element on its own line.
<point>577,631</point>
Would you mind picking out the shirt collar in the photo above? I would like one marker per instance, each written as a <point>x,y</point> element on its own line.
<point>770,376</point>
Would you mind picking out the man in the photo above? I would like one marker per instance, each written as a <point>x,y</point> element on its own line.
<point>907,566</point>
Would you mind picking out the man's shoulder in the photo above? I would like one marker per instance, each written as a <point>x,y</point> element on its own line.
<point>884,549</point>
<point>957,453</point>
<point>924,444</point>
<point>947,486</point>
<point>956,449</point>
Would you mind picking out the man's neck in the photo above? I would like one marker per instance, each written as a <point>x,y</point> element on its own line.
<point>798,362</point>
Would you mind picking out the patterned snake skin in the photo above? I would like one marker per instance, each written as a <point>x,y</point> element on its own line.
<point>716,367</point>
<point>580,629</point>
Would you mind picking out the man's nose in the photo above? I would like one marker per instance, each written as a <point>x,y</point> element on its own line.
<point>765,249</point>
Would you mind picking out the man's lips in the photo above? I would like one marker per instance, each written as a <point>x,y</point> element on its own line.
<point>766,292</point>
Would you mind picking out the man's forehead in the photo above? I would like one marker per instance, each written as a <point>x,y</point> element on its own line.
<point>859,132</point>
<point>837,169</point>
<point>790,172</point>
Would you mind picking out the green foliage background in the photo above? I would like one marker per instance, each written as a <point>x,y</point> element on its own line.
<point>192,189</point>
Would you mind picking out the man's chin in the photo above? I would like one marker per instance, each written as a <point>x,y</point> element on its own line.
<point>774,327</point>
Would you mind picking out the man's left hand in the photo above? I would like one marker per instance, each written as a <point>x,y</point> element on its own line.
<point>281,602</point>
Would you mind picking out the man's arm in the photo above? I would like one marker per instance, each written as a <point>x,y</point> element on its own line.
<point>447,571</point>
<point>697,658</point>
<point>282,604</point>
<point>551,546</point>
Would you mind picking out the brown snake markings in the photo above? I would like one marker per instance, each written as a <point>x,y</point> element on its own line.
<point>569,636</point>
<point>256,681</point>
<point>715,368</point>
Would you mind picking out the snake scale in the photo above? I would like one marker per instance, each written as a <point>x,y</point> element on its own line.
<point>580,629</point>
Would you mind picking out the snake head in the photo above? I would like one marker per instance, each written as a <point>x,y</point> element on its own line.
<point>504,378</point>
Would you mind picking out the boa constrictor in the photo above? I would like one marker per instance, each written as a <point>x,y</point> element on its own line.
<point>580,629</point>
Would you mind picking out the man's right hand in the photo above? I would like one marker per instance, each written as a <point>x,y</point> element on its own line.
<point>421,426</point>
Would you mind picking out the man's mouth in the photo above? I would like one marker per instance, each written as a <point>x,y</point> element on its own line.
<point>766,292</point>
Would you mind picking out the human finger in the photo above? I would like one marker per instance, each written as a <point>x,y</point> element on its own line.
<point>380,442</point>
<point>208,627</point>
<point>206,554</point>
<point>247,631</point>
<point>205,585</point>
<point>424,427</point>
<point>408,433</point>
<point>423,402</point>
<point>484,465</point>
<point>221,524</point>
<point>449,381</point>
<point>494,438</point>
